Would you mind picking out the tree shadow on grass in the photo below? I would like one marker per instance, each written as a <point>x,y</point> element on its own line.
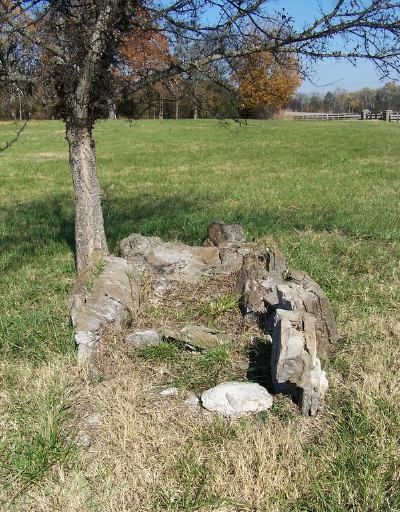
<point>38,227</point>
<point>30,229</point>
<point>44,225</point>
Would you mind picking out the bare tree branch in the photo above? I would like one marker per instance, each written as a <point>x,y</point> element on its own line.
<point>9,143</point>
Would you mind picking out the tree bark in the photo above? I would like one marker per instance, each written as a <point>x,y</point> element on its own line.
<point>112,110</point>
<point>90,239</point>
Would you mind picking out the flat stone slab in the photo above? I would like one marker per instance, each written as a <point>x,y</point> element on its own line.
<point>198,337</point>
<point>235,399</point>
<point>183,262</point>
<point>141,339</point>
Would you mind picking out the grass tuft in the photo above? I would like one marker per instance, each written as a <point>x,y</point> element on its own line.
<point>221,305</point>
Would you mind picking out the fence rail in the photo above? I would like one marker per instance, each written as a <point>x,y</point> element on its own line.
<point>325,117</point>
<point>365,115</point>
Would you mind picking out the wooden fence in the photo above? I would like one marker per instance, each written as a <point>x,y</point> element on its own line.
<point>324,117</point>
<point>365,115</point>
<point>395,116</point>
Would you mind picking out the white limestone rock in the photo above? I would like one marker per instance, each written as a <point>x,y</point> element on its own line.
<point>235,399</point>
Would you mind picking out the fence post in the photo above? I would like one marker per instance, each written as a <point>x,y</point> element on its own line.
<point>364,114</point>
<point>387,115</point>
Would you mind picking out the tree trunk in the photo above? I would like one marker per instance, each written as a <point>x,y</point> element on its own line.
<point>195,115</point>
<point>90,239</point>
<point>112,110</point>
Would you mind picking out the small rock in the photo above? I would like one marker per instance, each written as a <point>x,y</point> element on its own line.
<point>83,439</point>
<point>160,289</point>
<point>192,401</point>
<point>138,245</point>
<point>218,232</point>
<point>169,392</point>
<point>235,399</point>
<point>198,337</point>
<point>140,339</point>
<point>94,421</point>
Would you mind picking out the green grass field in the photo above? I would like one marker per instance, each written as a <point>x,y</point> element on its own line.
<point>328,193</point>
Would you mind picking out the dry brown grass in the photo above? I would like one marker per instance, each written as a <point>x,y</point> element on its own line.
<point>153,453</point>
<point>189,303</point>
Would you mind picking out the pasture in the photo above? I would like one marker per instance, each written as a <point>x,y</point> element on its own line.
<point>328,193</point>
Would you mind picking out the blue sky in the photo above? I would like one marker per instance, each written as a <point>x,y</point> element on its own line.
<point>330,74</point>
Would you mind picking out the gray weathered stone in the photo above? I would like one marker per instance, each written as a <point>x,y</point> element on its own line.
<point>192,401</point>
<point>300,293</point>
<point>141,339</point>
<point>181,262</point>
<point>253,272</point>
<point>114,292</point>
<point>160,289</point>
<point>296,370</point>
<point>274,256</point>
<point>137,245</point>
<point>235,399</point>
<point>263,291</point>
<point>218,233</point>
<point>231,259</point>
<point>313,300</point>
<point>262,269</point>
<point>198,336</point>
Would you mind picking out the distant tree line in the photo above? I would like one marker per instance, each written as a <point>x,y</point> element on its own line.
<point>254,86</point>
<point>255,93</point>
<point>340,100</point>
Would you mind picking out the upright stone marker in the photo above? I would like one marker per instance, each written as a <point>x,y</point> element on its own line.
<point>296,370</point>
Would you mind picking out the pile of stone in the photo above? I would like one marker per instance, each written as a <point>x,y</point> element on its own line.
<point>286,303</point>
